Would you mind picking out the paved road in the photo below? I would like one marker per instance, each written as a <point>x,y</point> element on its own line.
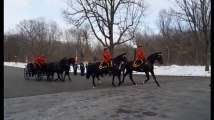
<point>16,86</point>
<point>178,98</point>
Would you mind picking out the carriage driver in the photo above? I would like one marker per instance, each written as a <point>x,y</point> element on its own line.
<point>42,59</point>
<point>42,62</point>
<point>107,57</point>
<point>36,59</point>
<point>140,56</point>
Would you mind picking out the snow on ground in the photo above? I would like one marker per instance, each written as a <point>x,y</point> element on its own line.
<point>173,70</point>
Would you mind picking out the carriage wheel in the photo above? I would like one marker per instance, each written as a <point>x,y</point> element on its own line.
<point>26,74</point>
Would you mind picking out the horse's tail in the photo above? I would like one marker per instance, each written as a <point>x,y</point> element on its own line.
<point>89,71</point>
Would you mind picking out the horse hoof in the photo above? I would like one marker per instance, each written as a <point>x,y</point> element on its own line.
<point>99,82</point>
<point>158,85</point>
<point>93,87</point>
<point>143,82</point>
<point>135,85</point>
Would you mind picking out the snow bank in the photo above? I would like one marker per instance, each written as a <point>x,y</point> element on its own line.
<point>173,70</point>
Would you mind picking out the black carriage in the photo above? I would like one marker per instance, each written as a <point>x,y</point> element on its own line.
<point>34,70</point>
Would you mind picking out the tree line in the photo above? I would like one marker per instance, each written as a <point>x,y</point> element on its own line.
<point>183,39</point>
<point>178,47</point>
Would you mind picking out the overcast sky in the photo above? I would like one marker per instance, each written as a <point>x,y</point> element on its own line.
<point>18,10</point>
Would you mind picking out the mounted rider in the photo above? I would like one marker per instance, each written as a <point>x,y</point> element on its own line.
<point>107,62</point>
<point>140,57</point>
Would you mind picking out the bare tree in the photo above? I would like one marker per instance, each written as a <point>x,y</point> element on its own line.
<point>197,13</point>
<point>54,34</point>
<point>35,31</point>
<point>164,25</point>
<point>107,17</point>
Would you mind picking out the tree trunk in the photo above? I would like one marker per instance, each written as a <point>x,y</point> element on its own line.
<point>111,46</point>
<point>167,61</point>
<point>111,50</point>
<point>135,52</point>
<point>207,54</point>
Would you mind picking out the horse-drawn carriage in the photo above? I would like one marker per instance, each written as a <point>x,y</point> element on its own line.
<point>34,70</point>
<point>48,69</point>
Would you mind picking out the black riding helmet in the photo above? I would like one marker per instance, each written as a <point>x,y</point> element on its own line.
<point>105,48</point>
<point>139,45</point>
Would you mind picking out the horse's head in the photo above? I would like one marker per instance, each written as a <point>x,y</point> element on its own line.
<point>71,61</point>
<point>159,57</point>
<point>155,56</point>
<point>64,63</point>
<point>121,58</point>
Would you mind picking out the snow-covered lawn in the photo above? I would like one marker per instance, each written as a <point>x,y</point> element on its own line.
<point>173,70</point>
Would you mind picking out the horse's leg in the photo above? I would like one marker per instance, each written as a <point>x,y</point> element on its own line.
<point>147,75</point>
<point>58,76</point>
<point>113,80</point>
<point>124,75</point>
<point>52,76</point>
<point>98,80</point>
<point>68,75</point>
<point>93,77</point>
<point>64,75</point>
<point>130,76</point>
<point>48,77</point>
<point>119,78</point>
<point>153,75</point>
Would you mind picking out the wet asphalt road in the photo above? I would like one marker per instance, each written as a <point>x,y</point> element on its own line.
<point>178,98</point>
<point>15,84</point>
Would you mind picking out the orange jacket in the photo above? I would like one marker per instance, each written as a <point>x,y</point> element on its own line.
<point>140,55</point>
<point>36,59</point>
<point>42,60</point>
<point>106,56</point>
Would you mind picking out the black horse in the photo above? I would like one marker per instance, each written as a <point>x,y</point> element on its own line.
<point>148,67</point>
<point>67,68</point>
<point>93,69</point>
<point>58,67</point>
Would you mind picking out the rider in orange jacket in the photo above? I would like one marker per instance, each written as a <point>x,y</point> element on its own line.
<point>107,56</point>
<point>140,55</point>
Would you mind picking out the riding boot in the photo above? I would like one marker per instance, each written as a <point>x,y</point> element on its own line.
<point>110,67</point>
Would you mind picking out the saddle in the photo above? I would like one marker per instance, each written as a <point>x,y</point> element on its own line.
<point>101,66</point>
